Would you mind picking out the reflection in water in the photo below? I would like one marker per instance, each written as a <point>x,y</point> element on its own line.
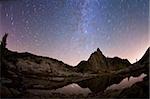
<point>127,82</point>
<point>73,89</point>
<point>99,84</point>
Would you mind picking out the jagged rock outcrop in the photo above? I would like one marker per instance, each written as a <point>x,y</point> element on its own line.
<point>99,63</point>
<point>95,63</point>
<point>145,59</point>
<point>98,60</point>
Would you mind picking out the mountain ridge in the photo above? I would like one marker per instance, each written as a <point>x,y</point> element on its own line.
<point>97,62</point>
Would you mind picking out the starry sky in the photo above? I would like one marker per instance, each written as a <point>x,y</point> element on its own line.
<point>70,30</point>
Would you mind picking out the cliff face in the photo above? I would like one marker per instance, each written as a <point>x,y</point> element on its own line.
<point>145,59</point>
<point>99,63</point>
<point>97,60</point>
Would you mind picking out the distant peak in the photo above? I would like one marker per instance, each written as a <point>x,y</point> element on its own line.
<point>99,51</point>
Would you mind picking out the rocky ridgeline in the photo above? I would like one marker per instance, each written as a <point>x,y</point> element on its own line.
<point>98,63</point>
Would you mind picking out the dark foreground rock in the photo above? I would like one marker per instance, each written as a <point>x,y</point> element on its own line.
<point>137,90</point>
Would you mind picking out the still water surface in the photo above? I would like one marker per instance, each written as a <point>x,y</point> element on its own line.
<point>98,84</point>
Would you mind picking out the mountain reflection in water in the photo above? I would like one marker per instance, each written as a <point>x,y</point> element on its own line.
<point>127,82</point>
<point>73,89</point>
<point>99,84</point>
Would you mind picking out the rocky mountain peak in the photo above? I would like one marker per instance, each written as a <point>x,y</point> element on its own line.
<point>97,54</point>
<point>97,59</point>
<point>98,50</point>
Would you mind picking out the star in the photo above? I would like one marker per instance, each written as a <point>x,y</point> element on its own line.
<point>77,27</point>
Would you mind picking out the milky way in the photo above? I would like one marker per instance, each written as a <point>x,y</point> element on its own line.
<point>70,30</point>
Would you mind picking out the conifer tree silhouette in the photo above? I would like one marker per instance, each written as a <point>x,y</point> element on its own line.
<point>4,41</point>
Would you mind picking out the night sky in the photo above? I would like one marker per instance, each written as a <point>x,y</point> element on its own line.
<point>70,30</point>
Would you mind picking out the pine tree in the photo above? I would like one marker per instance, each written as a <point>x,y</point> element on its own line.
<point>4,40</point>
